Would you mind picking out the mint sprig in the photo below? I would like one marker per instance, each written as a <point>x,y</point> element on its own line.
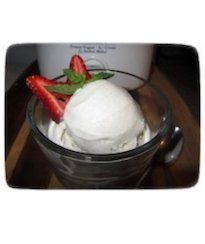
<point>74,77</point>
<point>99,76</point>
<point>65,88</point>
<point>78,81</point>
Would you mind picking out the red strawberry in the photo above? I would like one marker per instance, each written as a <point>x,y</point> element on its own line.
<point>78,66</point>
<point>53,102</point>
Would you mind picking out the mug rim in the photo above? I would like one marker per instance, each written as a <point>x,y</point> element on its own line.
<point>89,157</point>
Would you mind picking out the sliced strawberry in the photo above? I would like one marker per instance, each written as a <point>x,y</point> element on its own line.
<point>53,102</point>
<point>69,82</point>
<point>77,65</point>
<point>88,76</point>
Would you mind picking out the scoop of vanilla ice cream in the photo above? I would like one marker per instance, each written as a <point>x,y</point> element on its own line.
<point>102,118</point>
<point>58,133</point>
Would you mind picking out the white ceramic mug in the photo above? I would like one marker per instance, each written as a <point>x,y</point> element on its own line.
<point>131,58</point>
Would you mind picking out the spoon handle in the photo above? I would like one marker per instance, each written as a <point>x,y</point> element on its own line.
<point>170,147</point>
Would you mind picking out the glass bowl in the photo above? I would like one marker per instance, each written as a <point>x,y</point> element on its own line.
<point>119,170</point>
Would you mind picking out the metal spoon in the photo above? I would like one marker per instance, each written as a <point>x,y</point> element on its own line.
<point>170,148</point>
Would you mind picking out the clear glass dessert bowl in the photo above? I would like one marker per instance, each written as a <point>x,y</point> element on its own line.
<point>119,170</point>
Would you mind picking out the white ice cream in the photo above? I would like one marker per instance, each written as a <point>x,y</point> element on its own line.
<point>101,118</point>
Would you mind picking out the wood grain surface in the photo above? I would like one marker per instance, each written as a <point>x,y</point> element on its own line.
<point>27,167</point>
<point>184,172</point>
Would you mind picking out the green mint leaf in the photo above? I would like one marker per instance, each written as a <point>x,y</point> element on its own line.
<point>65,88</point>
<point>78,82</point>
<point>72,76</point>
<point>99,76</point>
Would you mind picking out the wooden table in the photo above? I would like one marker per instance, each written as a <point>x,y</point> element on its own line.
<point>27,167</point>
